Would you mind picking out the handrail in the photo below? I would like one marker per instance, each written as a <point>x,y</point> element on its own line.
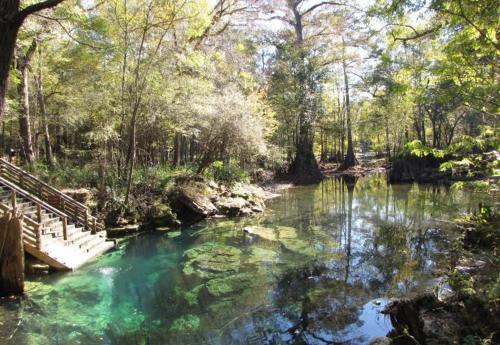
<point>17,190</point>
<point>36,233</point>
<point>31,197</point>
<point>77,211</point>
<point>46,185</point>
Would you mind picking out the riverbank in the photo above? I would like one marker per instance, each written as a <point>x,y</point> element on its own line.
<point>464,307</point>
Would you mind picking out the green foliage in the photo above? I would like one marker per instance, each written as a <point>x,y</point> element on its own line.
<point>494,290</point>
<point>67,174</point>
<point>463,284</point>
<point>158,178</point>
<point>466,145</point>
<point>477,186</point>
<point>226,173</point>
<point>417,149</point>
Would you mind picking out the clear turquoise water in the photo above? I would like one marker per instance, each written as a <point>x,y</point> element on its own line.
<point>333,255</point>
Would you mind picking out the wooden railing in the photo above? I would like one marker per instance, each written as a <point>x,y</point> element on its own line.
<point>32,231</point>
<point>77,212</point>
<point>15,191</point>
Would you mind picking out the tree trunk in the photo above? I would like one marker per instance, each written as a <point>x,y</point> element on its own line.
<point>350,159</point>
<point>24,116</point>
<point>11,19</point>
<point>12,255</point>
<point>8,36</point>
<point>177,149</point>
<point>132,154</point>
<point>304,168</point>
<point>41,104</point>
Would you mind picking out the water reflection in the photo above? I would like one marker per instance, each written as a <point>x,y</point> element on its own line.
<point>327,259</point>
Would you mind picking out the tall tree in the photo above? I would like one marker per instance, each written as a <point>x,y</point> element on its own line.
<point>350,159</point>
<point>298,14</point>
<point>24,115</point>
<point>12,16</point>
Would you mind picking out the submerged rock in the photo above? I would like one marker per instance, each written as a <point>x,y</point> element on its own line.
<point>210,260</point>
<point>298,246</point>
<point>191,296</point>
<point>286,236</point>
<point>259,255</point>
<point>271,234</point>
<point>185,323</point>
<point>122,230</point>
<point>229,285</point>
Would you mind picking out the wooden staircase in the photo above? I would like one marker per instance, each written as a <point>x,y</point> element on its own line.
<point>57,229</point>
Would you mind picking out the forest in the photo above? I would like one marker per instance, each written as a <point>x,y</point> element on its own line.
<point>162,116</point>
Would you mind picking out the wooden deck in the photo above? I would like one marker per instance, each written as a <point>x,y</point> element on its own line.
<point>57,229</point>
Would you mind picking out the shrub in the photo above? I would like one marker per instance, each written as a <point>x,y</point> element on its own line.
<point>417,149</point>
<point>226,173</point>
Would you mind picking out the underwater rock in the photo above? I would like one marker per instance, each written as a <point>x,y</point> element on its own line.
<point>262,255</point>
<point>210,260</point>
<point>185,323</point>
<point>229,285</point>
<point>261,232</point>
<point>298,246</point>
<point>122,230</point>
<point>221,306</point>
<point>173,234</point>
<point>191,296</point>
<point>271,234</point>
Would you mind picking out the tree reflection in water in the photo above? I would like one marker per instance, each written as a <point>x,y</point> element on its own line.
<point>352,244</point>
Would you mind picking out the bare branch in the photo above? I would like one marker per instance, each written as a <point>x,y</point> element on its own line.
<point>417,34</point>
<point>324,3</point>
<point>22,14</point>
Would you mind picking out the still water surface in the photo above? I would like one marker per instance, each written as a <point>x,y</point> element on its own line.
<point>320,265</point>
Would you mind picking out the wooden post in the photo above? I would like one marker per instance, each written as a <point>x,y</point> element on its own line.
<point>65,228</point>
<point>13,199</point>
<point>12,256</point>
<point>38,232</point>
<point>94,226</point>
<point>86,219</point>
<point>38,213</point>
<point>21,181</point>
<point>4,221</point>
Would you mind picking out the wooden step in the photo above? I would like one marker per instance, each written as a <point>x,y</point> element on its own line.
<point>79,247</point>
<point>89,242</point>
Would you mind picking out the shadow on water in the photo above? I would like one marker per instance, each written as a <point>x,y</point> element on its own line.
<point>321,264</point>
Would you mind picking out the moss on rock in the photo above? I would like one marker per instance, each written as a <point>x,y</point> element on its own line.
<point>229,285</point>
<point>185,323</point>
<point>210,260</point>
<point>298,246</point>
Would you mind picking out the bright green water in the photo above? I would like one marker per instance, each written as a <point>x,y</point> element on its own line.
<point>334,254</point>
